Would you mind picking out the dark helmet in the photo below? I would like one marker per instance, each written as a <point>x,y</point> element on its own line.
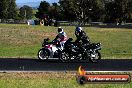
<point>60,29</point>
<point>78,29</point>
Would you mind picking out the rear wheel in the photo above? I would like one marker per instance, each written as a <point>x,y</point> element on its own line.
<point>43,54</point>
<point>95,57</point>
<point>64,57</point>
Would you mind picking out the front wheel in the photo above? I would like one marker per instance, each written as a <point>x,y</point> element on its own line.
<point>43,54</point>
<point>95,57</point>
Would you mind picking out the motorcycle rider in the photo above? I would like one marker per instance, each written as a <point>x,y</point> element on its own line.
<point>61,38</point>
<point>82,39</point>
<point>81,36</point>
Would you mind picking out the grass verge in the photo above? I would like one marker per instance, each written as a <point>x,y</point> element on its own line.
<point>49,80</point>
<point>19,40</point>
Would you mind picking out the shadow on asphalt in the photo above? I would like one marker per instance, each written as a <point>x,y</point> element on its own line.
<point>42,61</point>
<point>59,61</point>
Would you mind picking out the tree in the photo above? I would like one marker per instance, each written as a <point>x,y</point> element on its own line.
<point>98,11</point>
<point>8,9</point>
<point>112,11</point>
<point>26,12</point>
<point>54,11</point>
<point>126,7</point>
<point>80,10</point>
<point>3,9</point>
<point>66,10</point>
<point>118,10</point>
<point>12,10</point>
<point>43,9</point>
<point>127,10</point>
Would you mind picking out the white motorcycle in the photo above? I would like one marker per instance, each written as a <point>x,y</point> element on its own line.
<point>49,50</point>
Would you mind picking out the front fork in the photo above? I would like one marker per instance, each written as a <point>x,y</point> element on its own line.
<point>90,52</point>
<point>93,53</point>
<point>51,53</point>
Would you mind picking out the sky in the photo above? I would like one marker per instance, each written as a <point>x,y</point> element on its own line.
<point>25,1</point>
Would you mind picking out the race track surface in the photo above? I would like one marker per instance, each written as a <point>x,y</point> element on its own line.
<point>26,64</point>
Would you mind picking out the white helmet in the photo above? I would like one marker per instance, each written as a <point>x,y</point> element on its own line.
<point>60,29</point>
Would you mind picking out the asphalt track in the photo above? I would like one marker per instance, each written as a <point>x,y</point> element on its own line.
<point>26,64</point>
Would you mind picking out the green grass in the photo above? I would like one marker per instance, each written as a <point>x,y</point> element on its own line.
<point>19,40</point>
<point>49,80</point>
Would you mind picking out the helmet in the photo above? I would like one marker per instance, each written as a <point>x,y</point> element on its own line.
<point>78,29</point>
<point>60,29</point>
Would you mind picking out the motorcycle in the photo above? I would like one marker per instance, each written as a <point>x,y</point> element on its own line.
<point>70,51</point>
<point>49,50</point>
<point>80,51</point>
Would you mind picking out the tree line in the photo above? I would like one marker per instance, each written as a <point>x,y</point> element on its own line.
<point>71,10</point>
<point>88,10</point>
<point>9,10</point>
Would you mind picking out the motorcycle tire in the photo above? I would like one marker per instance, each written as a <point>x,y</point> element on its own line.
<point>43,54</point>
<point>64,57</point>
